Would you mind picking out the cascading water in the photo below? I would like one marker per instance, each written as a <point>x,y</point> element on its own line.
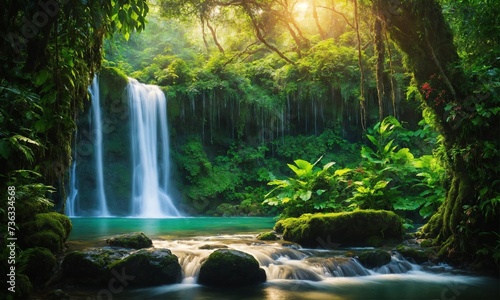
<point>71,200</point>
<point>279,262</point>
<point>150,152</point>
<point>97,124</point>
<point>128,176</point>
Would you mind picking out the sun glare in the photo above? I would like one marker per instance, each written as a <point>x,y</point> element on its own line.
<point>301,7</point>
<point>300,10</point>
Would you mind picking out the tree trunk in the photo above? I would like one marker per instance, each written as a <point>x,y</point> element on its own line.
<point>419,29</point>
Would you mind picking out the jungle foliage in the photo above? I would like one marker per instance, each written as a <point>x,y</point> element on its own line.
<point>50,51</point>
<point>388,177</point>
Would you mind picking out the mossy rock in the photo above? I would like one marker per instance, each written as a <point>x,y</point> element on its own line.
<point>149,267</point>
<point>48,230</point>
<point>358,228</point>
<point>231,268</point>
<point>38,263</point>
<point>90,267</point>
<point>374,258</point>
<point>46,239</point>
<point>267,236</point>
<point>415,255</point>
<point>136,240</point>
<point>426,243</point>
<point>112,82</point>
<point>23,287</point>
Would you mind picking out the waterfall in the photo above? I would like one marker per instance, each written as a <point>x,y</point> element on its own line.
<point>150,152</point>
<point>97,124</point>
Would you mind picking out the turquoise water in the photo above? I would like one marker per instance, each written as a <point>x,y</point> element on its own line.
<point>186,234</point>
<point>88,229</point>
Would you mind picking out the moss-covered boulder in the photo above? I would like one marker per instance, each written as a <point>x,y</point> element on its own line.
<point>231,268</point>
<point>136,240</point>
<point>415,254</point>
<point>358,228</point>
<point>267,236</point>
<point>38,263</point>
<point>374,258</point>
<point>148,267</point>
<point>90,267</point>
<point>48,230</point>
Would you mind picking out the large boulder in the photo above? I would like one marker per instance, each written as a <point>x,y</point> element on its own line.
<point>135,240</point>
<point>230,268</point>
<point>48,230</point>
<point>330,230</point>
<point>148,267</point>
<point>91,266</point>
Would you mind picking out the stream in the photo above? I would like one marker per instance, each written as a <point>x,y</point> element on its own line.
<point>292,272</point>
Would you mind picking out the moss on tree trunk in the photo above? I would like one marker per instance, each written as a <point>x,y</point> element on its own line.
<point>419,29</point>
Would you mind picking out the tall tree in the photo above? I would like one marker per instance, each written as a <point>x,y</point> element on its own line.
<point>466,113</point>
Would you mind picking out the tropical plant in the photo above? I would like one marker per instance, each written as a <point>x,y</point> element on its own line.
<point>392,178</point>
<point>311,190</point>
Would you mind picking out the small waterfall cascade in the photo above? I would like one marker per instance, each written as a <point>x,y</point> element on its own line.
<point>70,207</point>
<point>280,262</point>
<point>97,125</point>
<point>150,152</point>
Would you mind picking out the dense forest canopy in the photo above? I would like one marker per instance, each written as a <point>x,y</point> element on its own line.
<point>398,98</point>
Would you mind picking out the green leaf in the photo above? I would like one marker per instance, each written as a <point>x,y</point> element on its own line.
<point>342,172</point>
<point>388,146</point>
<point>381,184</point>
<point>41,77</point>
<point>328,165</point>
<point>320,192</point>
<point>373,140</point>
<point>305,195</point>
<point>304,165</point>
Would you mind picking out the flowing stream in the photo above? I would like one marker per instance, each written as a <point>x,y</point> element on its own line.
<point>292,272</point>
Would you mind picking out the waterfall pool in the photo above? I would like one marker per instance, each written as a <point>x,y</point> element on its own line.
<point>292,272</point>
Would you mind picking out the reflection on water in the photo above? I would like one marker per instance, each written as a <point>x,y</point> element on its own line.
<point>292,272</point>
